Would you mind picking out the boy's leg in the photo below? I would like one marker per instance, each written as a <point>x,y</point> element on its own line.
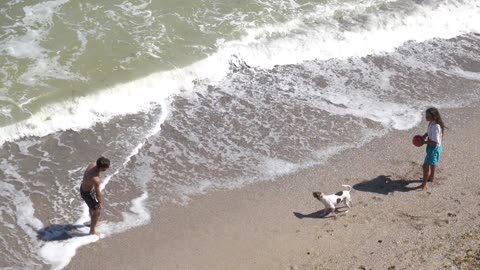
<point>90,211</point>
<point>93,224</point>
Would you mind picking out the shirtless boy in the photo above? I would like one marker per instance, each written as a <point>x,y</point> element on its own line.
<point>90,189</point>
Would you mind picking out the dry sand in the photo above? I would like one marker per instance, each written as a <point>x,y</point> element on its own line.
<point>279,225</point>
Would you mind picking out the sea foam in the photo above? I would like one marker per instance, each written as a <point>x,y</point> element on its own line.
<point>265,47</point>
<point>59,253</point>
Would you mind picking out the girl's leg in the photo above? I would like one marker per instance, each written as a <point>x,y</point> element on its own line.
<point>432,173</point>
<point>425,176</point>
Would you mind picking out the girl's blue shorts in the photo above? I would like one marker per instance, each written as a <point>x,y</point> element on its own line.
<point>433,154</point>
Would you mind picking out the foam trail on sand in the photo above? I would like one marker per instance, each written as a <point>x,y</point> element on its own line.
<point>60,253</point>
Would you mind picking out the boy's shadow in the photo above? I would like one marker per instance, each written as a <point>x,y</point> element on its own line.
<point>384,184</point>
<point>59,232</point>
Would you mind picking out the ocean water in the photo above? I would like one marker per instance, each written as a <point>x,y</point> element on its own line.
<point>188,97</point>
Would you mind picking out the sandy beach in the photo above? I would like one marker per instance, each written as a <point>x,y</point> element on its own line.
<point>279,225</point>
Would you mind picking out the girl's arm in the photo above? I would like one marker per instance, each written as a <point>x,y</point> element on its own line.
<point>436,134</point>
<point>430,142</point>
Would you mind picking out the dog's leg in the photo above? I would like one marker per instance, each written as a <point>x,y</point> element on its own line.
<point>348,203</point>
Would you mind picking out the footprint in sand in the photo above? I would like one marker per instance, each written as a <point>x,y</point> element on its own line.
<point>451,215</point>
<point>418,226</point>
<point>441,222</point>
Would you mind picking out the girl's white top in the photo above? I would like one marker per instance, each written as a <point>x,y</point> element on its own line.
<point>434,132</point>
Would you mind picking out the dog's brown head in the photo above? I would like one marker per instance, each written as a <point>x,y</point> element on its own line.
<point>318,195</point>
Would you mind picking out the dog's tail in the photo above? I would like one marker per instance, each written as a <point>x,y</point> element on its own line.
<point>347,186</point>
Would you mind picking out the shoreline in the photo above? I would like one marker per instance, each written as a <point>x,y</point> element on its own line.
<point>276,225</point>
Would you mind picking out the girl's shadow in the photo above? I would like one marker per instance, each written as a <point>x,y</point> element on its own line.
<point>384,184</point>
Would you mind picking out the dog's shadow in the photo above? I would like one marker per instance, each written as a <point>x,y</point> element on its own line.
<point>384,184</point>
<point>324,213</point>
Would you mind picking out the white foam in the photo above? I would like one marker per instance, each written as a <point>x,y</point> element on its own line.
<point>23,213</point>
<point>24,207</point>
<point>37,22</point>
<point>274,167</point>
<point>389,114</point>
<point>138,215</point>
<point>297,42</point>
<point>60,253</point>
<point>6,112</point>
<point>83,112</point>
<point>267,169</point>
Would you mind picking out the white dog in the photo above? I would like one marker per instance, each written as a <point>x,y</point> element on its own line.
<point>332,201</point>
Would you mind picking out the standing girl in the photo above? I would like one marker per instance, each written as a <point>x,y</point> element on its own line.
<point>433,140</point>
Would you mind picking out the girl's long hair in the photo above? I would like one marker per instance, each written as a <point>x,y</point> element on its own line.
<point>436,116</point>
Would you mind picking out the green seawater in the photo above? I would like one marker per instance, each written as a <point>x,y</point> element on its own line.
<point>51,51</point>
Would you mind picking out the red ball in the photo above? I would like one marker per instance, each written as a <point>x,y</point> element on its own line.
<point>417,140</point>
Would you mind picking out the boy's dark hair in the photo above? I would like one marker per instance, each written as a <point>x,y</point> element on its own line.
<point>103,162</point>
<point>436,116</point>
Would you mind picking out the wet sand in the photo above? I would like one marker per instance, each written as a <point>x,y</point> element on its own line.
<point>279,225</point>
